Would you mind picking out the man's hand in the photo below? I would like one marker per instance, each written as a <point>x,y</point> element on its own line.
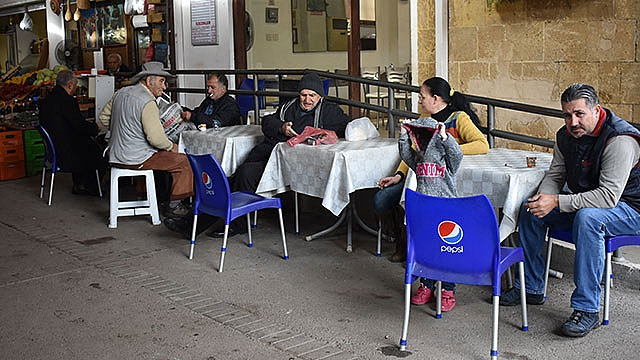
<point>288,130</point>
<point>388,181</point>
<point>174,148</point>
<point>186,115</point>
<point>541,204</point>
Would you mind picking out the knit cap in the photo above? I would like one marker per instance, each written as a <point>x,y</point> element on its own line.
<point>311,81</point>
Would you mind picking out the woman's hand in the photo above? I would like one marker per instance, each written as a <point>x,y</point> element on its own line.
<point>388,181</point>
<point>442,130</point>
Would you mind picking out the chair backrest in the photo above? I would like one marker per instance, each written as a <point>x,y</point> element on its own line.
<point>49,149</point>
<point>213,195</point>
<point>325,86</point>
<point>396,77</point>
<point>245,102</point>
<point>452,239</point>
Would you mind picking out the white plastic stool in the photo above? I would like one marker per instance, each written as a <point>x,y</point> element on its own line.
<point>132,208</point>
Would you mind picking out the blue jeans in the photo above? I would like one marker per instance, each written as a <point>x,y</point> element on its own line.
<point>589,227</point>
<point>387,198</point>
<point>431,284</point>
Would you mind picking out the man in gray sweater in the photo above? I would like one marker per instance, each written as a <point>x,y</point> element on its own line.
<point>596,155</point>
<point>138,140</point>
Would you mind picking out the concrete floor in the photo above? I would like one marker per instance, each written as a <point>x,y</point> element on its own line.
<point>71,288</point>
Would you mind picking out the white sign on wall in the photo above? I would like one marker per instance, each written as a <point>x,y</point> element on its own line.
<point>204,30</point>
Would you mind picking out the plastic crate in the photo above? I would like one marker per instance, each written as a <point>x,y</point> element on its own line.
<point>10,138</point>
<point>11,154</point>
<point>33,151</point>
<point>33,167</point>
<point>31,137</point>
<point>12,170</point>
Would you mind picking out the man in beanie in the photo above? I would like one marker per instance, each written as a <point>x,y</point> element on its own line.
<point>308,109</point>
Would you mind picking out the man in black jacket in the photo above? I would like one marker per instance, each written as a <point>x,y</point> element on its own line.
<point>218,108</point>
<point>309,109</point>
<point>72,135</point>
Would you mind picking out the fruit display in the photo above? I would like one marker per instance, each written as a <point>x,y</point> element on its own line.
<point>10,91</point>
<point>19,86</point>
<point>47,75</point>
<point>38,77</point>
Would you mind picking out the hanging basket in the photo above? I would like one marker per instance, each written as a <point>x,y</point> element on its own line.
<point>84,4</point>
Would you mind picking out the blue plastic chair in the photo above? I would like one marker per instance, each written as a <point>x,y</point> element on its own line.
<point>214,197</point>
<point>50,162</point>
<point>245,102</point>
<point>611,244</point>
<point>325,86</point>
<point>457,240</point>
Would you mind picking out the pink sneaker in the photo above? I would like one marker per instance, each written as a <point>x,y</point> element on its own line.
<point>448,300</point>
<point>422,296</point>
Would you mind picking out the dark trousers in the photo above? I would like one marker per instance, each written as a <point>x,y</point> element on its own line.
<point>246,178</point>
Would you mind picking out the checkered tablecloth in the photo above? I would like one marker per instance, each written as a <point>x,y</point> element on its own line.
<point>503,176</point>
<point>330,172</point>
<point>229,145</point>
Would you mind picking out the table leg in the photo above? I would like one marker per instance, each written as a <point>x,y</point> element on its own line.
<point>361,223</point>
<point>295,197</point>
<point>349,227</point>
<point>349,213</point>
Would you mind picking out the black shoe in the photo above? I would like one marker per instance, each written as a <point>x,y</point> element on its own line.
<point>220,234</point>
<point>83,190</point>
<point>181,225</point>
<point>512,298</point>
<point>580,323</point>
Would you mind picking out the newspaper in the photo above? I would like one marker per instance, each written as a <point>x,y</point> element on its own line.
<point>171,119</point>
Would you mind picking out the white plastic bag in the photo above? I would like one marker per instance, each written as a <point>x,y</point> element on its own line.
<point>360,129</point>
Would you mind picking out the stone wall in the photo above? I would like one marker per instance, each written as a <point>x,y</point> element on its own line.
<point>529,51</point>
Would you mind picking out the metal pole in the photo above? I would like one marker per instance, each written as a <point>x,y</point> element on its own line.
<point>390,122</point>
<point>256,101</point>
<point>491,118</point>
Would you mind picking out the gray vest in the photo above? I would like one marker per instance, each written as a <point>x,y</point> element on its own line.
<point>128,143</point>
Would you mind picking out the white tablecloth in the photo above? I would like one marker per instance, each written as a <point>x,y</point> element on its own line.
<point>330,172</point>
<point>229,145</point>
<point>503,176</point>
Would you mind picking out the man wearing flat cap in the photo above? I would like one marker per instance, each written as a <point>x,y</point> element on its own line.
<point>138,140</point>
<point>308,109</point>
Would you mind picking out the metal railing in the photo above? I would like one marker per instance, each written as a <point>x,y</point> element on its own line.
<point>389,110</point>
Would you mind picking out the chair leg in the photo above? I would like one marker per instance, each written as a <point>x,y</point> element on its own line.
<point>153,201</point>
<point>99,185</point>
<point>223,251</point>
<point>295,200</point>
<point>44,172</point>
<point>193,235</point>
<point>284,239</point>
<point>113,201</point>
<point>378,254</point>
<point>438,299</point>
<point>548,264</point>
<point>255,219</point>
<point>51,187</point>
<point>607,289</point>
<point>249,230</point>
<point>405,323</point>
<point>494,327</point>
<point>523,297</point>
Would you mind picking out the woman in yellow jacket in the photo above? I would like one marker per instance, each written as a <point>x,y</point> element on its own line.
<point>442,103</point>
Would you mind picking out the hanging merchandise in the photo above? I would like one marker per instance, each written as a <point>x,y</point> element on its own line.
<point>67,13</point>
<point>26,24</point>
<point>76,15</point>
